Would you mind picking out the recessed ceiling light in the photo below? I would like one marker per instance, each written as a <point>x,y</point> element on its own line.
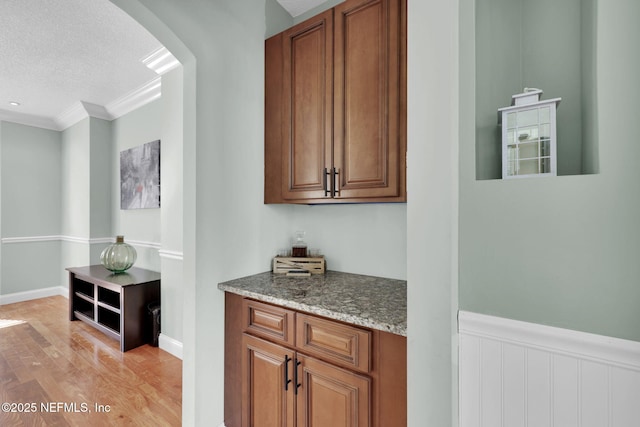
<point>14,103</point>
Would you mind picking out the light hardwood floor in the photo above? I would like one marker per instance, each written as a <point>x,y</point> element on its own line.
<point>60,370</point>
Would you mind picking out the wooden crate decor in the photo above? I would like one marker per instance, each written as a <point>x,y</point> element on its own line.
<point>314,265</point>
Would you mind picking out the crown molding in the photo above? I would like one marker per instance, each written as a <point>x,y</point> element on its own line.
<point>28,120</point>
<point>97,111</point>
<point>161,61</point>
<point>71,116</point>
<point>80,111</point>
<point>135,99</point>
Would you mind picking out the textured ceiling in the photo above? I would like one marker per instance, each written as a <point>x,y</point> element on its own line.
<point>56,54</point>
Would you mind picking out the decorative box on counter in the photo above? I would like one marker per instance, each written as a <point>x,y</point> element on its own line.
<point>284,265</point>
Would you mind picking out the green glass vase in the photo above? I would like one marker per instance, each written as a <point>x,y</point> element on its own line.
<point>118,257</point>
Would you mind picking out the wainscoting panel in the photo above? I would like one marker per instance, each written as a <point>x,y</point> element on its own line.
<point>518,374</point>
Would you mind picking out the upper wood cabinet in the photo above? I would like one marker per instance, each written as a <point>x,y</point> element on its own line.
<point>335,106</point>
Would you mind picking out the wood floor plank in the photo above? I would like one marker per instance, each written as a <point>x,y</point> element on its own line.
<point>76,376</point>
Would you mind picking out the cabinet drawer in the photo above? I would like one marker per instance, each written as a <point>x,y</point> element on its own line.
<point>335,342</point>
<point>275,323</point>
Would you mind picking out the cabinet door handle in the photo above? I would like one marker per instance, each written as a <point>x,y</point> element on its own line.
<point>295,375</point>
<point>287,359</point>
<point>325,185</point>
<point>336,182</point>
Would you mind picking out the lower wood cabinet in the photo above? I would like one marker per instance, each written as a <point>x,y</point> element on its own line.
<point>330,396</point>
<point>328,373</point>
<point>267,387</point>
<point>285,388</point>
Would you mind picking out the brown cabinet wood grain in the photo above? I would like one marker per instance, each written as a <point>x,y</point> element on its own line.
<point>330,396</point>
<point>342,344</point>
<point>307,107</point>
<point>330,373</point>
<point>266,400</point>
<point>335,106</point>
<point>269,321</point>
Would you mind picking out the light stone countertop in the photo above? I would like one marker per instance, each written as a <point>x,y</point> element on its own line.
<point>372,302</point>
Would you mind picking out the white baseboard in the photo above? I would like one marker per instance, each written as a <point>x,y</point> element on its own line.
<point>170,345</point>
<point>34,294</point>
<point>516,373</point>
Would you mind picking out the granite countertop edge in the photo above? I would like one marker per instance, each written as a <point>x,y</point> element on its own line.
<point>369,320</point>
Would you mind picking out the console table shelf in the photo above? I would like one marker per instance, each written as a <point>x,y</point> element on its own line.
<point>115,304</point>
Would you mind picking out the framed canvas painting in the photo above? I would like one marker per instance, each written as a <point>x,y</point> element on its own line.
<point>140,177</point>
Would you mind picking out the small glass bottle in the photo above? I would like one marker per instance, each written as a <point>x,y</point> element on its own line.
<point>299,248</point>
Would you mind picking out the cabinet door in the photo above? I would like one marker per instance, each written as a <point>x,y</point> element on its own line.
<point>267,395</point>
<point>330,396</point>
<point>369,103</point>
<point>307,106</point>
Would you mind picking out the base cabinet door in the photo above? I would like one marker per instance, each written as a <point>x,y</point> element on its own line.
<point>330,396</point>
<point>283,388</point>
<point>268,398</point>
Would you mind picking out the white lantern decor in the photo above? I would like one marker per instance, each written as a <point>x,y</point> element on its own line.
<point>529,135</point>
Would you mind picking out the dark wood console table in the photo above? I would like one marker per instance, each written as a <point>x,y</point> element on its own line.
<point>115,304</point>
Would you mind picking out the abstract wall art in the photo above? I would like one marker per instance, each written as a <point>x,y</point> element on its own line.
<point>140,177</point>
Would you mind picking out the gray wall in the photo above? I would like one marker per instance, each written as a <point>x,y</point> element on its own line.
<point>561,251</point>
<point>276,18</point>
<point>171,212</point>
<point>75,200</point>
<point>86,193</point>
<point>86,208</point>
<point>101,169</point>
<point>76,170</point>
<point>589,66</point>
<point>31,185</point>
<point>432,212</point>
<point>30,173</point>
<point>544,44</point>
<point>137,225</point>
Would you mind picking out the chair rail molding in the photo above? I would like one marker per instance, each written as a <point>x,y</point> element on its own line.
<point>75,239</point>
<point>515,373</point>
<point>167,254</point>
